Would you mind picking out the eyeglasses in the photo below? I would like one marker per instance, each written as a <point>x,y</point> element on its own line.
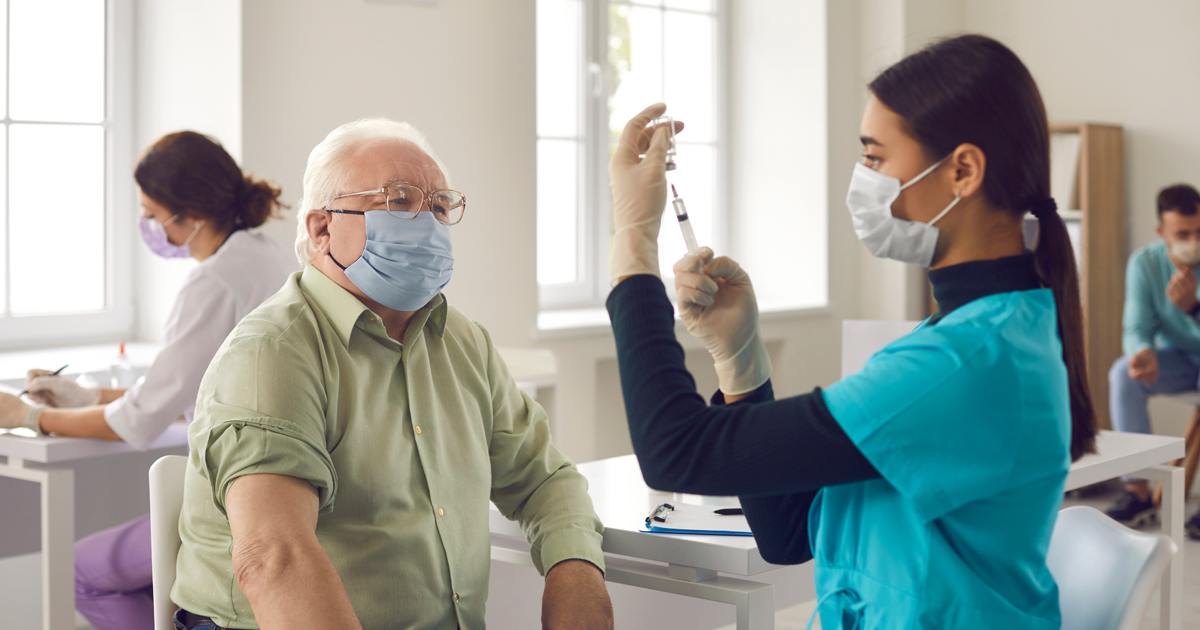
<point>405,200</point>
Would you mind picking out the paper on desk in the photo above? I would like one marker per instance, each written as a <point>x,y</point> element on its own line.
<point>700,519</point>
<point>22,432</point>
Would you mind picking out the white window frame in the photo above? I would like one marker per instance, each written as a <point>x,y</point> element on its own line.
<point>116,319</point>
<point>595,206</point>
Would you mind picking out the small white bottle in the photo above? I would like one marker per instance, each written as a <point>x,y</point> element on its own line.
<point>121,374</point>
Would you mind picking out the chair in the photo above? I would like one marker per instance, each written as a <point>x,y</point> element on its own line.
<point>1105,571</point>
<point>1191,441</point>
<point>166,501</point>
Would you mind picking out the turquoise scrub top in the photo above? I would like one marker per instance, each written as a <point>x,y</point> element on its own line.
<point>969,424</point>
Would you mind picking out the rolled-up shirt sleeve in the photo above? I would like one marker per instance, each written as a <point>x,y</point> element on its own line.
<point>204,313</point>
<point>264,415</point>
<point>534,483</point>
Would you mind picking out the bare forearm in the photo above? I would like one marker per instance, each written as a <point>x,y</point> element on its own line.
<point>109,395</point>
<point>82,422</point>
<point>295,587</point>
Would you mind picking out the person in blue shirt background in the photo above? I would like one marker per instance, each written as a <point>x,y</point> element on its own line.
<point>926,486</point>
<point>1161,337</point>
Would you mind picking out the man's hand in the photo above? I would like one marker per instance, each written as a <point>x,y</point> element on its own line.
<point>576,598</point>
<point>1144,366</point>
<point>1181,290</point>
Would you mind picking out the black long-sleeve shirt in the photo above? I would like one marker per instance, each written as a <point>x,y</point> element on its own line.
<point>774,454</point>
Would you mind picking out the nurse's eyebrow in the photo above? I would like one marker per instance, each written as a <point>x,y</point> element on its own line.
<point>868,140</point>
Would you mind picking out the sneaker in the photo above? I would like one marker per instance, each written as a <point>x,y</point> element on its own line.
<point>1131,511</point>
<point>1193,526</point>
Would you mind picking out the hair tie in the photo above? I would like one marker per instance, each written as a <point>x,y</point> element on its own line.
<point>1046,207</point>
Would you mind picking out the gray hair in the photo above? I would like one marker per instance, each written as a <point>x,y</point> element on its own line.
<point>328,172</point>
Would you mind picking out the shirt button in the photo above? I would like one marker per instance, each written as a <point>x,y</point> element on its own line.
<point>456,598</point>
<point>440,512</point>
<point>371,318</point>
<point>418,430</point>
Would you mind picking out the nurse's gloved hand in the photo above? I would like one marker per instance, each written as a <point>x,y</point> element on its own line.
<point>59,391</point>
<point>717,304</point>
<point>14,413</point>
<point>639,192</point>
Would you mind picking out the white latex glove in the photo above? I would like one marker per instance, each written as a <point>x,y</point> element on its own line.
<point>639,192</point>
<point>59,391</point>
<point>14,413</point>
<point>716,302</point>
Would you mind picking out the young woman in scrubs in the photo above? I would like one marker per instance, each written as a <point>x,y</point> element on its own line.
<point>196,203</point>
<point>926,486</point>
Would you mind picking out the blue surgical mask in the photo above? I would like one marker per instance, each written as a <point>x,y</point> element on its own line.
<point>406,262</point>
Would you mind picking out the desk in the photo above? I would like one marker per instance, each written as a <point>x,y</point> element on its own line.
<point>58,505</point>
<point>622,501</point>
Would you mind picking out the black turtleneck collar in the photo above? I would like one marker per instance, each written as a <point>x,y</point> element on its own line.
<point>959,285</point>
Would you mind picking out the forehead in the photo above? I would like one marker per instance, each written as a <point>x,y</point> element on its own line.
<point>375,162</point>
<point>882,124</point>
<point>1174,221</point>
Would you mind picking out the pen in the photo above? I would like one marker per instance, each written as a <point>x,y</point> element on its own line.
<point>728,511</point>
<point>54,373</point>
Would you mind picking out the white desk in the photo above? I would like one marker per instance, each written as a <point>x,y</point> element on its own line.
<point>58,506</point>
<point>622,501</point>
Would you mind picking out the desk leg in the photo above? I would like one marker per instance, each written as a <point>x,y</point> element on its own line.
<point>755,601</point>
<point>1172,480</point>
<point>58,540</point>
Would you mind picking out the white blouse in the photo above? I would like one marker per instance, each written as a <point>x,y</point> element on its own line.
<point>246,270</point>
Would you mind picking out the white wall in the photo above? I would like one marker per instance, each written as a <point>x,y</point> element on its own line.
<point>188,76</point>
<point>1134,64</point>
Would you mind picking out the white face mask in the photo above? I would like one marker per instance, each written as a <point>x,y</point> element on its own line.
<point>1186,252</point>
<point>870,202</point>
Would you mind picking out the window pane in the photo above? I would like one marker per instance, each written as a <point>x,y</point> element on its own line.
<point>559,67</point>
<point>689,73</point>
<point>558,211</point>
<point>692,5</point>
<point>635,55</point>
<point>3,229</point>
<point>57,65</point>
<point>56,217</point>
<point>696,183</point>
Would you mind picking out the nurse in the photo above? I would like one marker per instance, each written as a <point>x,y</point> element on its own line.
<point>926,486</point>
<point>197,203</point>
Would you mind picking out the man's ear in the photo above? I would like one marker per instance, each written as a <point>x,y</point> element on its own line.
<point>1159,231</point>
<point>317,223</point>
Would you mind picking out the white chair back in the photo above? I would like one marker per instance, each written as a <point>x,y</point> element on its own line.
<point>1105,571</point>
<point>166,501</point>
<point>863,338</point>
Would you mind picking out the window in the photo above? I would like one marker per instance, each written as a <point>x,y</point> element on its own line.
<point>65,190</point>
<point>599,62</point>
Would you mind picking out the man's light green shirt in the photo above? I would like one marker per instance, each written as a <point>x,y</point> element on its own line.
<point>405,443</point>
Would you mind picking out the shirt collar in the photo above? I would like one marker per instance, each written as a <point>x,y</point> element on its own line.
<point>344,310</point>
<point>962,284</point>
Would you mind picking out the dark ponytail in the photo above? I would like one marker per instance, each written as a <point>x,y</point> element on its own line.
<point>191,173</point>
<point>973,89</point>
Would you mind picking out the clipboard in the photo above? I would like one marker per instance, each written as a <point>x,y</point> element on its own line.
<point>703,520</point>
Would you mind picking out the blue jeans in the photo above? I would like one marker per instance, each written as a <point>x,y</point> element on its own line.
<point>1178,371</point>
<point>180,625</point>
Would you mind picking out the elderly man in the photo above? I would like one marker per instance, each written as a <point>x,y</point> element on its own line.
<point>351,431</point>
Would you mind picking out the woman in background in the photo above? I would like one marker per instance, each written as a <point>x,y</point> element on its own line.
<point>197,203</point>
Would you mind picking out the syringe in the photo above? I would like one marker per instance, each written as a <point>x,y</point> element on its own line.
<point>681,214</point>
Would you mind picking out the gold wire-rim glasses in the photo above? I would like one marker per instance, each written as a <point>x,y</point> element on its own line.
<point>426,201</point>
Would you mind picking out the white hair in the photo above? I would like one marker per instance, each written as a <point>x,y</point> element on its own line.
<point>328,171</point>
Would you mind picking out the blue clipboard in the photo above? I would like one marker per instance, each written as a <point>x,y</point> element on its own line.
<point>696,520</point>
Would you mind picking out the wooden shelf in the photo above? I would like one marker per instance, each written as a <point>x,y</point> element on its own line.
<point>1100,189</point>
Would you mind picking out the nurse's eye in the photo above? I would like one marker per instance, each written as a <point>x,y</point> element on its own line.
<point>871,160</point>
